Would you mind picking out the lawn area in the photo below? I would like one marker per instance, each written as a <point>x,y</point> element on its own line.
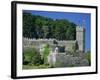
<point>43,66</point>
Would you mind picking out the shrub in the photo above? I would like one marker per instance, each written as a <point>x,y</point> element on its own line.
<point>46,53</point>
<point>31,56</point>
<point>88,56</point>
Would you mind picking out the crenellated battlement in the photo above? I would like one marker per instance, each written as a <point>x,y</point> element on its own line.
<point>79,28</point>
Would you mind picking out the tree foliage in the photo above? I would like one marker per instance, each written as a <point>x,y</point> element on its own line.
<point>35,26</point>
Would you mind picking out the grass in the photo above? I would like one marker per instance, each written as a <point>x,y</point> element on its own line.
<point>43,66</point>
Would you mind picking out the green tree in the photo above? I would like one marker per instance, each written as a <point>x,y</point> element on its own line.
<point>35,26</point>
<point>28,25</point>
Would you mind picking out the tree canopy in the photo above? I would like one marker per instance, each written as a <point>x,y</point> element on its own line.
<point>35,26</point>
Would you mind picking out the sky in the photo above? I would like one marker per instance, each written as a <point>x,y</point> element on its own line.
<point>80,19</point>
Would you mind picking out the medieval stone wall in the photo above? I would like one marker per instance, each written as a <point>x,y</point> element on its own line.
<point>37,43</point>
<point>63,60</point>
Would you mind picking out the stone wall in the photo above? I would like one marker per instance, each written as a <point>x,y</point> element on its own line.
<point>37,43</point>
<point>63,60</point>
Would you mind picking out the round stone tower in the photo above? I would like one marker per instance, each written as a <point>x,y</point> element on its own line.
<point>80,38</point>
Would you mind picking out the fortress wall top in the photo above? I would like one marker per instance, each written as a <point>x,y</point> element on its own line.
<point>78,28</point>
<point>28,41</point>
